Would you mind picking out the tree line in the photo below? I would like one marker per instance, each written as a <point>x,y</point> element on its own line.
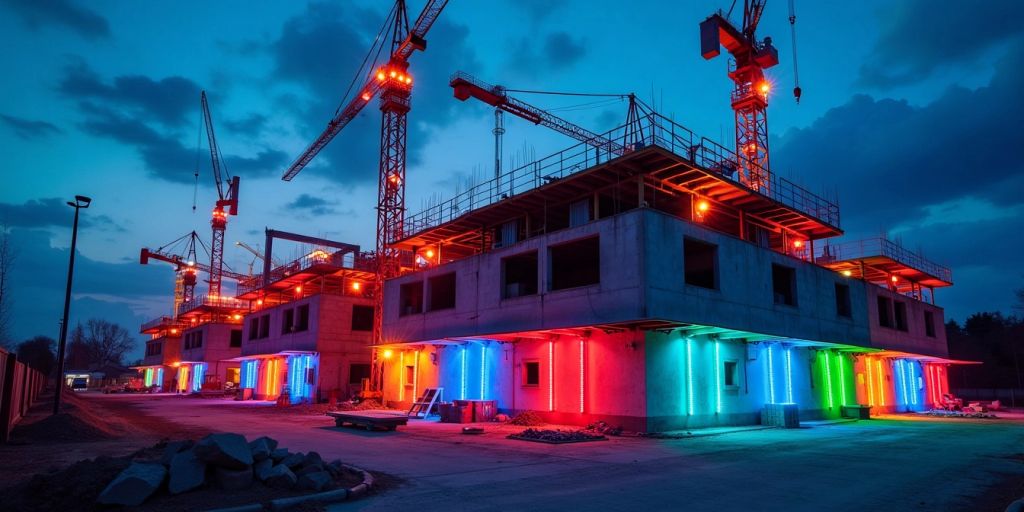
<point>95,345</point>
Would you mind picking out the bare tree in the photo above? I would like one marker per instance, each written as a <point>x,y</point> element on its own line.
<point>106,342</point>
<point>7,257</point>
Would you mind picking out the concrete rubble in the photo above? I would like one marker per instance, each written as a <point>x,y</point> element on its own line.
<point>136,483</point>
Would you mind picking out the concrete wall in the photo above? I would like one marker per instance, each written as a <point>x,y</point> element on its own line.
<point>330,334</point>
<point>215,351</point>
<point>744,299</point>
<point>480,309</point>
<point>914,339</point>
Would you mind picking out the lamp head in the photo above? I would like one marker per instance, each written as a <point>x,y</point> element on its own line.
<point>81,202</point>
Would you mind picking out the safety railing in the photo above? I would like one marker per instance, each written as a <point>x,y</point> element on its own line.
<point>163,321</point>
<point>213,301</point>
<point>654,130</point>
<point>882,247</point>
<point>363,261</point>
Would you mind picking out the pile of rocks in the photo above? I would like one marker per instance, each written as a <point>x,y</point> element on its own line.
<point>227,461</point>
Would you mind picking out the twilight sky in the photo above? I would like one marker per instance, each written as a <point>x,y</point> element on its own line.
<point>909,114</point>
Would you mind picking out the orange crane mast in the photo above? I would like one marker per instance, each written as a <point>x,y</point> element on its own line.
<point>750,58</point>
<point>225,199</point>
<point>393,84</point>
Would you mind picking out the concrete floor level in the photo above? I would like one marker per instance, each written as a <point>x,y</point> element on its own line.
<point>902,462</point>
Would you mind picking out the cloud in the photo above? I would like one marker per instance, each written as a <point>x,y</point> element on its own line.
<point>320,49</point>
<point>37,14</point>
<point>892,159</point>
<point>556,51</point>
<point>312,205</point>
<point>919,37</point>
<point>174,101</point>
<point>50,212</point>
<point>251,125</point>
<point>28,129</point>
<point>561,50</point>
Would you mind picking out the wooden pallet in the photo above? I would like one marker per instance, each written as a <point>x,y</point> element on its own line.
<point>370,420</point>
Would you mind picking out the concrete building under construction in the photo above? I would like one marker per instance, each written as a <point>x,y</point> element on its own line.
<point>646,284</point>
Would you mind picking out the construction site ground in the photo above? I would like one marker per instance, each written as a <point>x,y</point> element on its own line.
<point>898,462</point>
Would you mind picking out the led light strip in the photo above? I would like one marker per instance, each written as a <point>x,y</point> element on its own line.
<point>462,395</point>
<point>881,387</point>
<point>718,379</point>
<point>903,380</point>
<point>582,381</point>
<point>913,382</point>
<point>483,371</point>
<point>415,375</point>
<point>401,376</point>
<point>689,377</point>
<point>789,376</point>
<point>871,382</point>
<point>842,379</point>
<point>771,377</point>
<point>828,381</point>
<point>551,375</point>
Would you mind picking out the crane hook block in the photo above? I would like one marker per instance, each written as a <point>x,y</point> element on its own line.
<point>796,94</point>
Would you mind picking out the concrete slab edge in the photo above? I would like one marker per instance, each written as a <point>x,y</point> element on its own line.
<point>331,496</point>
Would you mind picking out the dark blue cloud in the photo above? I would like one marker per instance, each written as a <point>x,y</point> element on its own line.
<point>312,205</point>
<point>174,101</point>
<point>890,158</point>
<point>918,37</point>
<point>562,50</point>
<point>250,126</point>
<point>63,13</point>
<point>28,129</point>
<point>50,212</point>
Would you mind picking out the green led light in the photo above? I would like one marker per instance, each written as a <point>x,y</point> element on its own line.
<point>842,380</point>
<point>689,376</point>
<point>828,382</point>
<point>718,380</point>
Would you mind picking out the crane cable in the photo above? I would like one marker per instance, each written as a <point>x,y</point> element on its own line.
<point>199,143</point>
<point>792,31</point>
<point>378,44</point>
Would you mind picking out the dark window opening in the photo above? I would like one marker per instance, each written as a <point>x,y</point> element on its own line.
<point>441,290</point>
<point>729,373</point>
<point>576,264</point>
<point>362,318</point>
<point>410,298</point>
<point>929,324</point>
<point>193,340</point>
<point>236,337</point>
<point>357,372</point>
<point>410,375</point>
<point>843,307</point>
<point>884,312</point>
<point>254,328</point>
<point>154,349</point>
<point>302,318</point>
<point>784,285</point>
<point>700,263</point>
<point>288,321</point>
<point>519,275</point>
<point>264,326</point>
<point>531,373</point>
<point>901,315</point>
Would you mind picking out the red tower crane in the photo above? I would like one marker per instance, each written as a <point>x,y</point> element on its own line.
<point>750,94</point>
<point>182,254</point>
<point>225,199</point>
<point>393,84</point>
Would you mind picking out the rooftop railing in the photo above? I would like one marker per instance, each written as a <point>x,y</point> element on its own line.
<point>654,130</point>
<point>882,247</point>
<point>212,300</point>
<point>362,261</point>
<point>162,321</point>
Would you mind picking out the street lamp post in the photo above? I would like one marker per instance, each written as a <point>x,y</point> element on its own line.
<point>79,203</point>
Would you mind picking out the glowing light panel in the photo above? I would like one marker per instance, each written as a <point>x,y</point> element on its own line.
<point>689,376</point>
<point>718,379</point>
<point>462,394</point>
<point>771,377</point>
<point>551,375</point>
<point>483,372</point>
<point>881,387</point>
<point>582,382</point>
<point>828,382</point>
<point>842,379</point>
<point>871,383</point>
<point>789,376</point>
<point>401,376</point>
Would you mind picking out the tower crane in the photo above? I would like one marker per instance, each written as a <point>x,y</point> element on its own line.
<point>256,253</point>
<point>225,199</point>
<point>392,83</point>
<point>185,265</point>
<point>750,92</point>
<point>467,86</point>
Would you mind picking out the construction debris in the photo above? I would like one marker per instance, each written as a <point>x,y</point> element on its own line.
<point>556,436</point>
<point>526,419</point>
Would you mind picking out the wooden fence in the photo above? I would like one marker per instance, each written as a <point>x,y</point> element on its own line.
<point>19,388</point>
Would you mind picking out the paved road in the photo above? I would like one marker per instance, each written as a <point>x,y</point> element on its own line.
<point>890,464</point>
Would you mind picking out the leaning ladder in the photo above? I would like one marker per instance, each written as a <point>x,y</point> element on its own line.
<point>421,407</point>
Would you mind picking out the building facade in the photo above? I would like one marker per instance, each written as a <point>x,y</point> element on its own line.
<point>652,290</point>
